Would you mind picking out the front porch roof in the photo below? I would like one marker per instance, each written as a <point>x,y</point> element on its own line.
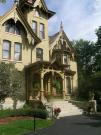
<point>39,65</point>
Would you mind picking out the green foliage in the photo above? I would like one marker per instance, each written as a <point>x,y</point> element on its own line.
<point>11,83</point>
<point>4,80</point>
<point>39,113</point>
<point>97,63</point>
<point>17,85</point>
<point>89,61</point>
<point>91,85</point>
<point>85,53</point>
<point>57,85</point>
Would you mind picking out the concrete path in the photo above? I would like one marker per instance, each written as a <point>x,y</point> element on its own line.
<point>73,125</point>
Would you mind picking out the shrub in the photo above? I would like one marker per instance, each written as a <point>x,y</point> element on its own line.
<point>39,113</point>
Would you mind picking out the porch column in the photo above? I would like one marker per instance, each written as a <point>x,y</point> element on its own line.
<point>42,88</point>
<point>49,91</point>
<point>65,84</point>
<point>64,91</point>
<point>72,84</point>
<point>64,87</point>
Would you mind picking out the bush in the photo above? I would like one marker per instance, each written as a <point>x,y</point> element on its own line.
<point>39,113</point>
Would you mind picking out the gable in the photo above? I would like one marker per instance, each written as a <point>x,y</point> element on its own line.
<point>30,4</point>
<point>61,41</point>
<point>16,14</point>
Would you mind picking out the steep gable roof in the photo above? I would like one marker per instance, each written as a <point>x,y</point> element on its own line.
<point>53,37</point>
<point>36,3</point>
<point>50,13</point>
<point>23,19</point>
<point>56,36</point>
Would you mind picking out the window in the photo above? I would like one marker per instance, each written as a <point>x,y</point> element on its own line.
<point>34,26</point>
<point>42,31</point>
<point>6,49</point>
<point>11,27</point>
<point>65,59</point>
<point>18,52</point>
<point>39,54</point>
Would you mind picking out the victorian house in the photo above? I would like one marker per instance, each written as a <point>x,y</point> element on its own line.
<point>48,61</point>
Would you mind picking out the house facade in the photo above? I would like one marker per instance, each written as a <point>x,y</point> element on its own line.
<point>48,61</point>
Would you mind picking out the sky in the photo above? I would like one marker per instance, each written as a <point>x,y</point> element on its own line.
<point>80,18</point>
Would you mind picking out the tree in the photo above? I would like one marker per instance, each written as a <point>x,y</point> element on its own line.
<point>97,63</point>
<point>12,83</point>
<point>17,85</point>
<point>4,81</point>
<point>85,61</point>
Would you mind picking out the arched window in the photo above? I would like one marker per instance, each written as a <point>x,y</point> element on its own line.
<point>12,27</point>
<point>6,49</point>
<point>39,54</point>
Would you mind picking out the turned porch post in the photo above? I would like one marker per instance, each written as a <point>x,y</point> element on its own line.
<point>42,87</point>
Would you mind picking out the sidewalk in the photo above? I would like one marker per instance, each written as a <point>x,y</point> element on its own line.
<point>73,125</point>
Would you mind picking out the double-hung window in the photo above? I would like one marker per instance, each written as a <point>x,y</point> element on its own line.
<point>6,49</point>
<point>65,58</point>
<point>34,26</point>
<point>39,54</point>
<point>18,52</point>
<point>42,31</point>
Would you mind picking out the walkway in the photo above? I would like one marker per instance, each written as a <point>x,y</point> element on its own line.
<point>73,125</point>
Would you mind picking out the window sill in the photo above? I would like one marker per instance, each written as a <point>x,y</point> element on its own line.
<point>13,61</point>
<point>13,34</point>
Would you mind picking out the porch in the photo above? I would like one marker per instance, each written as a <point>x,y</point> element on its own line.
<point>44,80</point>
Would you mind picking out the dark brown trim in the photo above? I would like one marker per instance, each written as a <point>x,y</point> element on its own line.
<point>27,25</point>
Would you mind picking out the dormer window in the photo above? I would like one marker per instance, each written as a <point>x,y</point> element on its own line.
<point>42,31</point>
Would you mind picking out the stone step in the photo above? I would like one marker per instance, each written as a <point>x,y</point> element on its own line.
<point>67,109</point>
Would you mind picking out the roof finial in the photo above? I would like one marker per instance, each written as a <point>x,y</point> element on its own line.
<point>61,26</point>
<point>16,2</point>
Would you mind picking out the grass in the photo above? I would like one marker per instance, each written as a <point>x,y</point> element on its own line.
<point>20,127</point>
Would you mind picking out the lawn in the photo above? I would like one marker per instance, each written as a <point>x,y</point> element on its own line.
<point>19,127</point>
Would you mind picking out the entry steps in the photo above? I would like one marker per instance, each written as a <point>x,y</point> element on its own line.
<point>67,109</point>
